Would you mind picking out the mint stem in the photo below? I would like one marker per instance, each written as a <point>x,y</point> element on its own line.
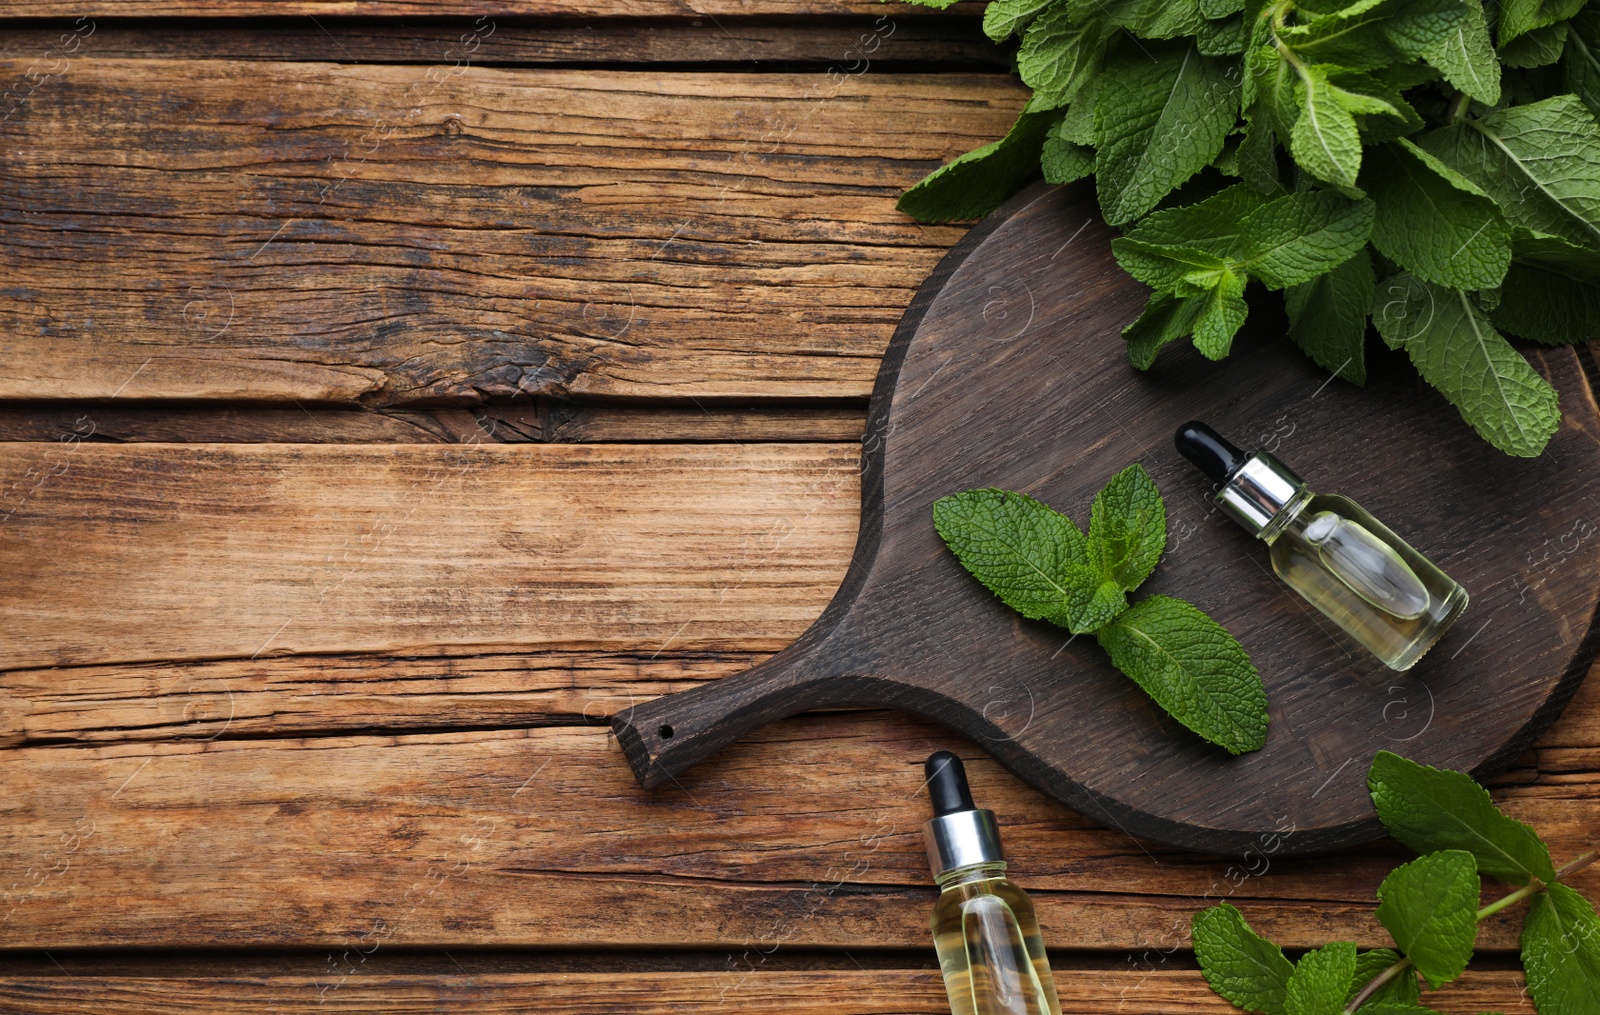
<point>1458,109</point>
<point>1532,887</point>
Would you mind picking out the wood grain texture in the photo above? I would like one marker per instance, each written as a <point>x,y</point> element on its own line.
<point>161,565</point>
<point>1007,373</point>
<point>808,835</point>
<point>539,421</point>
<point>555,8</point>
<point>853,43</point>
<point>393,234</point>
<point>161,553</point>
<point>852,992</point>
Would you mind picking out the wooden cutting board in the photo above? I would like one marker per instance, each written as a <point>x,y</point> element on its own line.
<point>1008,371</point>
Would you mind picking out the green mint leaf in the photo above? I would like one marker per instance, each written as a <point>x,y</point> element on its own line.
<point>1374,33</point>
<point>1193,668</point>
<point>1416,26</point>
<point>1403,76</point>
<point>1402,990</point>
<point>1430,809</point>
<point>978,182</point>
<point>1401,307</point>
<point>1270,90</point>
<point>1128,527</point>
<point>1161,266</point>
<point>1018,547</point>
<point>1397,1008</point>
<point>1433,222</point>
<point>1519,16</point>
<point>1328,316</point>
<point>1166,318</point>
<point>1457,350</point>
<point>1058,55</point>
<point>1363,93</point>
<point>1241,966</point>
<point>1552,292</point>
<point>1213,225</point>
<point>1063,161</point>
<point>1381,112</point>
<point>1561,952</point>
<point>1257,51</point>
<point>1215,9</point>
<point>1430,908</point>
<point>1222,314</point>
<point>1096,600</point>
<point>1540,162</point>
<point>1161,115</point>
<point>1227,161</point>
<point>1467,59</point>
<point>1148,19</point>
<point>1539,48</point>
<point>1580,62</point>
<point>1077,124</point>
<point>1320,979</point>
<point>1258,156</point>
<point>1297,237</point>
<point>1004,18</point>
<point>1221,38</point>
<point>1324,139</point>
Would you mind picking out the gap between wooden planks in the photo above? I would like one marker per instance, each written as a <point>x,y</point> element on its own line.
<point>857,43</point>
<point>148,676</point>
<point>215,229</point>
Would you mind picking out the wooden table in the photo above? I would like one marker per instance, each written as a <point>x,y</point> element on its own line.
<point>392,392</point>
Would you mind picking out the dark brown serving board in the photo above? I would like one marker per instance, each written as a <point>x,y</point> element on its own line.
<point>1008,371</point>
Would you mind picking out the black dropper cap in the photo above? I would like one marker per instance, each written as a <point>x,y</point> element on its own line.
<point>960,834</point>
<point>947,784</point>
<point>1210,451</point>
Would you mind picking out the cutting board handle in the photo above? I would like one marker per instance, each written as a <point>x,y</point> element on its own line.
<point>664,736</point>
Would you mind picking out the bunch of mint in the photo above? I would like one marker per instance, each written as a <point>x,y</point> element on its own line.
<point>1432,164</point>
<point>1042,565</point>
<point>1430,908</point>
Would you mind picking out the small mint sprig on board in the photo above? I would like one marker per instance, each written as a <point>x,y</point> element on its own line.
<point>1039,563</point>
<point>1430,908</point>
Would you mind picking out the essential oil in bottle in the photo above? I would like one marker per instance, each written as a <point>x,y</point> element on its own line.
<point>984,930</point>
<point>1345,562</point>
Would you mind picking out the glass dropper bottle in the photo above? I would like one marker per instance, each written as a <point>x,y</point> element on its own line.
<point>1328,548</point>
<point>984,930</point>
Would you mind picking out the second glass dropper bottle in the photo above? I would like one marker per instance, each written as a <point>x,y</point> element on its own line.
<point>1328,548</point>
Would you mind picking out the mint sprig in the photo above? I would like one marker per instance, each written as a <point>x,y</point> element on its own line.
<point>1039,563</point>
<point>1430,908</point>
<point>1453,142</point>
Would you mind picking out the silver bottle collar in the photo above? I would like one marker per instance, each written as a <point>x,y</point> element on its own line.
<point>961,839</point>
<point>1257,491</point>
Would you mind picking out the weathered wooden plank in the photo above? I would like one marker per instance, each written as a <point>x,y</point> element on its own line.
<point>853,43</point>
<point>589,423</point>
<point>811,992</point>
<point>806,835</point>
<point>880,992</point>
<point>708,9</point>
<point>318,695</point>
<point>389,234</point>
<point>542,420</point>
<point>187,552</point>
<point>301,695</point>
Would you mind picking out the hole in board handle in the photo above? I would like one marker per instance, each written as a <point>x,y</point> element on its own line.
<point>665,732</point>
